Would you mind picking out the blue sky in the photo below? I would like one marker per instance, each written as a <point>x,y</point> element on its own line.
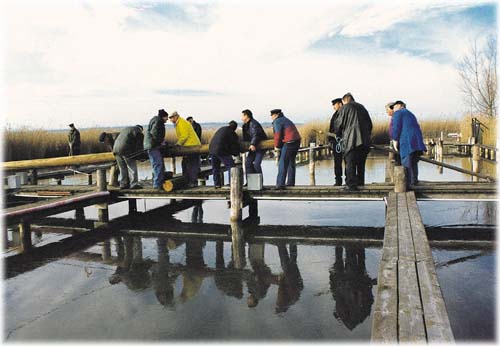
<point>117,62</point>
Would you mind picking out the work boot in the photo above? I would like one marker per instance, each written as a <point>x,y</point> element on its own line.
<point>338,182</point>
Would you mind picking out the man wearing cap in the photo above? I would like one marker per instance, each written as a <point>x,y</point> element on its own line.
<point>223,146</point>
<point>390,112</point>
<point>408,140</point>
<point>153,139</point>
<point>128,145</point>
<point>337,152</point>
<point>108,139</point>
<point>73,140</point>
<point>354,126</point>
<point>186,137</point>
<point>196,126</point>
<point>253,133</point>
<point>287,140</point>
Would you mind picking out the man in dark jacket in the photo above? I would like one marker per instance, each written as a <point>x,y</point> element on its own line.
<point>222,147</point>
<point>287,140</point>
<point>253,133</point>
<point>196,126</point>
<point>74,140</point>
<point>337,152</point>
<point>127,146</point>
<point>153,139</point>
<point>354,127</point>
<point>407,136</point>
<point>108,139</point>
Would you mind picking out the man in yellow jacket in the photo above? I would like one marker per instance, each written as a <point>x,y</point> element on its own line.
<point>186,136</point>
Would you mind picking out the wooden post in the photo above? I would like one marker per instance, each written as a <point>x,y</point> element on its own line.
<point>399,179</point>
<point>312,175</point>
<point>238,244</point>
<point>106,250</point>
<point>236,193</point>
<point>34,177</point>
<point>132,205</point>
<point>25,235</point>
<point>389,167</point>
<point>174,169</point>
<point>113,176</point>
<point>475,160</point>
<point>101,180</point>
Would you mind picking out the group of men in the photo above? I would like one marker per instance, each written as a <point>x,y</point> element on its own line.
<point>350,134</point>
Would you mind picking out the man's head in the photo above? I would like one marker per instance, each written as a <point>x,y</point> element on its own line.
<point>190,119</point>
<point>139,127</point>
<point>388,109</point>
<point>398,105</point>
<point>102,137</point>
<point>337,103</point>
<point>347,98</point>
<point>72,125</point>
<point>233,124</point>
<point>174,117</point>
<point>163,115</point>
<point>246,115</point>
<point>276,113</point>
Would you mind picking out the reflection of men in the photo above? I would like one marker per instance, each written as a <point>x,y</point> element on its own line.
<point>230,284</point>
<point>337,152</point>
<point>73,140</point>
<point>354,126</point>
<point>408,140</point>
<point>197,214</point>
<point>163,281</point>
<point>192,279</point>
<point>351,286</point>
<point>261,278</point>
<point>290,284</point>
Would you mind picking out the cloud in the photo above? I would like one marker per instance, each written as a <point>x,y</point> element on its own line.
<point>114,63</point>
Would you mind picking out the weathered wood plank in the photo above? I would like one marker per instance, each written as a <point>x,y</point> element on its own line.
<point>390,249</point>
<point>405,239</point>
<point>385,316</point>
<point>420,241</point>
<point>410,320</point>
<point>436,319</point>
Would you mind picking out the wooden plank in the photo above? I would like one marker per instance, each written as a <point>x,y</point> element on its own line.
<point>420,241</point>
<point>410,320</point>
<point>390,249</point>
<point>405,239</point>
<point>385,310</point>
<point>437,324</point>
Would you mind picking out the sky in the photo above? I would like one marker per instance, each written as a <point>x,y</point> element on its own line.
<point>113,63</point>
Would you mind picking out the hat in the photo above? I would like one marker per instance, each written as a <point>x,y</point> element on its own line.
<point>162,113</point>
<point>233,124</point>
<point>189,118</point>
<point>276,111</point>
<point>102,137</point>
<point>174,113</point>
<point>71,125</point>
<point>390,105</point>
<point>398,102</point>
<point>337,100</point>
<point>139,126</point>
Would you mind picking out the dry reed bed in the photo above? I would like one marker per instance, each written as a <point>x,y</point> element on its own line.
<point>26,143</point>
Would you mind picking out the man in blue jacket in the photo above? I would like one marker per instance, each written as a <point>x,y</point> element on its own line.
<point>153,139</point>
<point>223,146</point>
<point>253,133</point>
<point>408,140</point>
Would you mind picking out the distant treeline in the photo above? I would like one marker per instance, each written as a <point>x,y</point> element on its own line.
<point>27,143</point>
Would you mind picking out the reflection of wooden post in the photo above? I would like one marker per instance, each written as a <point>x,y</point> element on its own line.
<point>399,179</point>
<point>312,167</point>
<point>389,168</point>
<point>475,160</point>
<point>238,245</point>
<point>25,235</point>
<point>236,193</point>
<point>106,250</point>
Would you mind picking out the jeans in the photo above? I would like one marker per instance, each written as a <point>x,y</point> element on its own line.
<point>191,168</point>
<point>128,171</point>
<point>286,164</point>
<point>216,161</point>
<point>410,163</point>
<point>253,161</point>
<point>158,166</point>
<point>355,166</point>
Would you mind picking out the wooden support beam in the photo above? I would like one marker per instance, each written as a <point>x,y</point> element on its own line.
<point>236,193</point>
<point>312,167</point>
<point>101,180</point>
<point>399,179</point>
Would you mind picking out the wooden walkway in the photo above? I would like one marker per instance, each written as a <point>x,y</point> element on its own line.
<point>409,306</point>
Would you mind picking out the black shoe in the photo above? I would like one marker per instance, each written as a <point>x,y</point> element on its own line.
<point>278,188</point>
<point>136,187</point>
<point>124,187</point>
<point>338,184</point>
<point>217,186</point>
<point>351,188</point>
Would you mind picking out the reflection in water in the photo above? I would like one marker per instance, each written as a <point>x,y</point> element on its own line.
<point>261,277</point>
<point>192,278</point>
<point>230,281</point>
<point>351,286</point>
<point>197,214</point>
<point>163,280</point>
<point>290,283</point>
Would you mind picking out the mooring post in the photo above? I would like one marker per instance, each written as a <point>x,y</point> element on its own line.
<point>106,250</point>
<point>34,177</point>
<point>102,208</point>
<point>312,167</point>
<point>113,176</point>
<point>399,179</point>
<point>236,193</point>
<point>389,167</point>
<point>238,245</point>
<point>25,235</point>
<point>101,179</point>
<point>475,160</point>
<point>174,169</point>
<point>132,205</point>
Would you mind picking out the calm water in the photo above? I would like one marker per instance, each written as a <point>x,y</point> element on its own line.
<point>160,288</point>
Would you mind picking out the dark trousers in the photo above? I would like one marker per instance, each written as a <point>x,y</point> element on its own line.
<point>410,163</point>
<point>286,164</point>
<point>337,167</point>
<point>253,161</point>
<point>191,168</point>
<point>355,166</point>
<point>216,171</point>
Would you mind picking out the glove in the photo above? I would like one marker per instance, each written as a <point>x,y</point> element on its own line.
<point>395,145</point>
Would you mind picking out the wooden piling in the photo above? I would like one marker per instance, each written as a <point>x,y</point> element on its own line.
<point>399,179</point>
<point>236,193</point>
<point>106,250</point>
<point>312,167</point>
<point>389,167</point>
<point>101,180</point>
<point>238,245</point>
<point>25,235</point>
<point>113,176</point>
<point>475,160</point>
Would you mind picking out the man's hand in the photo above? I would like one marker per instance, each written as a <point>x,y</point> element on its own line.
<point>252,148</point>
<point>395,145</point>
